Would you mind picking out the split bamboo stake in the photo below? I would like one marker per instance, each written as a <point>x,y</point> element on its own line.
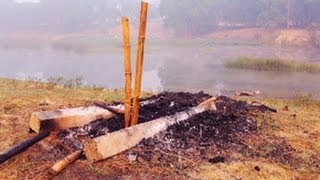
<point>64,163</point>
<point>139,63</point>
<point>127,63</point>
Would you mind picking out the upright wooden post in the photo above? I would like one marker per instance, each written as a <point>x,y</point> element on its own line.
<point>139,65</point>
<point>127,63</point>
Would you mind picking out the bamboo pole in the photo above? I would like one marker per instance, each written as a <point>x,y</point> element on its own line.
<point>139,65</point>
<point>127,62</point>
<point>64,163</point>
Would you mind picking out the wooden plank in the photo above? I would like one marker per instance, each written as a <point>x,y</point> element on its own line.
<point>113,143</point>
<point>67,118</point>
<point>75,117</point>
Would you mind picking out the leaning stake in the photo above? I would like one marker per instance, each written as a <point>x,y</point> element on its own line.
<point>127,63</point>
<point>139,65</point>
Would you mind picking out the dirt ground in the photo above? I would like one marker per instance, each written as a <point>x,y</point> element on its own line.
<point>282,145</point>
<point>305,38</point>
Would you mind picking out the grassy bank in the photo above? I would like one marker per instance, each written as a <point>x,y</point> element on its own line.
<point>298,126</point>
<point>269,64</point>
<point>104,44</point>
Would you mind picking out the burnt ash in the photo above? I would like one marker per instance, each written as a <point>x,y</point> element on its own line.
<point>164,104</point>
<point>169,103</point>
<point>220,128</point>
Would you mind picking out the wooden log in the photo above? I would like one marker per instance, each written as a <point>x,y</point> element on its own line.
<point>22,146</point>
<point>127,63</point>
<point>139,63</point>
<point>114,109</point>
<point>64,163</point>
<point>120,111</point>
<point>75,117</point>
<point>247,93</point>
<point>67,118</point>
<point>113,143</point>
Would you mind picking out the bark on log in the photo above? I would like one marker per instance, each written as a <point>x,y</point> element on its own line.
<point>111,144</point>
<point>22,146</point>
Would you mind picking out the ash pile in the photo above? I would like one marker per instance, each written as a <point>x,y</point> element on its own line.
<point>163,104</point>
<point>202,134</point>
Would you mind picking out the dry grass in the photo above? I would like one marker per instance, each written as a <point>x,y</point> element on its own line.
<point>299,127</point>
<point>18,99</point>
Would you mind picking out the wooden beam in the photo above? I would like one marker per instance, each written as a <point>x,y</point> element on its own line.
<point>67,118</point>
<point>113,143</point>
<point>75,117</point>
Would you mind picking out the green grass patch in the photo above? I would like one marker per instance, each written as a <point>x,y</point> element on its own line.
<point>269,64</point>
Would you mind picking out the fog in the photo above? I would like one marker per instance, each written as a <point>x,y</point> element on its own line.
<point>188,42</point>
<point>184,17</point>
<point>67,16</point>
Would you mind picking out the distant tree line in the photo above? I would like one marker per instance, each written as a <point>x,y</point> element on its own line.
<point>190,17</point>
<point>186,17</point>
<point>66,15</point>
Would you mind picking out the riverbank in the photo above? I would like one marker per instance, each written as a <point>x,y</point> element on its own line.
<point>299,38</point>
<point>294,130</point>
<point>97,41</point>
<point>272,64</point>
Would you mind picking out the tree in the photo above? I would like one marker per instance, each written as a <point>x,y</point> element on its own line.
<point>66,16</point>
<point>188,17</point>
<point>273,13</point>
<point>197,17</point>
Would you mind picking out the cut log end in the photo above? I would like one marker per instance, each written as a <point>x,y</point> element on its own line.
<point>92,153</point>
<point>35,123</point>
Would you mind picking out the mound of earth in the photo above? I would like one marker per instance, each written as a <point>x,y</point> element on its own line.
<point>298,38</point>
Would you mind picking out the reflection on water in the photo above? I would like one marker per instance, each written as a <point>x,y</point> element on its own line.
<point>168,68</point>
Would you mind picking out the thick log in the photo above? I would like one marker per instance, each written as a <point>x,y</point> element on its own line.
<point>67,118</point>
<point>75,117</point>
<point>64,163</point>
<point>111,144</point>
<point>22,146</point>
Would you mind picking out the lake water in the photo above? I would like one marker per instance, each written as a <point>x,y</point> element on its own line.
<point>167,67</point>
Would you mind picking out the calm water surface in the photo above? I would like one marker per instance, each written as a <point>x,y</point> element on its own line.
<point>168,68</point>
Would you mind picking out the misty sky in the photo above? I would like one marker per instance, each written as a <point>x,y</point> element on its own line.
<point>26,1</point>
<point>38,1</point>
